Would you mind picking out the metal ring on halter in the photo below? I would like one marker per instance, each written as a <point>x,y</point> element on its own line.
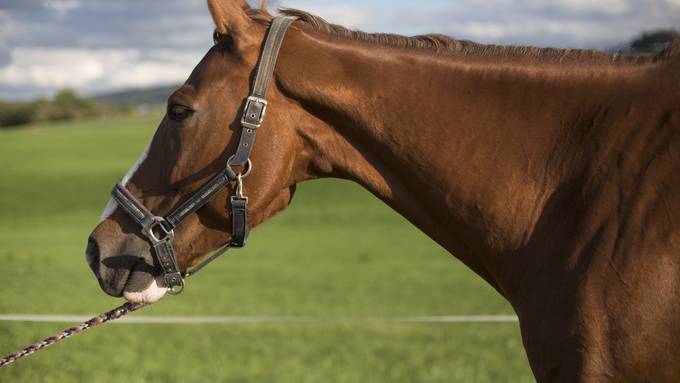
<point>247,168</point>
<point>165,234</point>
<point>177,289</point>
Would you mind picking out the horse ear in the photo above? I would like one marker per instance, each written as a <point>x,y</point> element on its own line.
<point>230,17</point>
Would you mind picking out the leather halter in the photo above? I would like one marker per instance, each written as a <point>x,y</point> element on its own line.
<point>160,230</point>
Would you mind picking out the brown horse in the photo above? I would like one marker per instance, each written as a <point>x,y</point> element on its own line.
<point>553,174</point>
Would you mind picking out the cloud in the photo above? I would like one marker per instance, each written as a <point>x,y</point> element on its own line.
<point>111,24</point>
<point>576,32</point>
<point>351,16</point>
<point>347,15</point>
<point>603,7</point>
<point>7,25</point>
<point>21,4</point>
<point>558,23</point>
<point>61,7</point>
<point>92,70</point>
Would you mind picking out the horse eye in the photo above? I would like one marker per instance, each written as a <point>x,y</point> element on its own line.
<point>179,112</point>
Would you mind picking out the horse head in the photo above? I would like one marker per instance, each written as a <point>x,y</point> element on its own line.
<point>192,144</point>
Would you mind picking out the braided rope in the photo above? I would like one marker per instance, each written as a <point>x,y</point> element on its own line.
<point>108,316</point>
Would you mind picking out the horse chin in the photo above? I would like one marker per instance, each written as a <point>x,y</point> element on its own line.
<point>143,287</point>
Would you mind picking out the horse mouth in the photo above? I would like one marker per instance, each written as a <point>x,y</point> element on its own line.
<point>132,278</point>
<point>143,286</point>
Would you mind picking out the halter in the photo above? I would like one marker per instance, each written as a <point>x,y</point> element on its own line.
<point>160,230</point>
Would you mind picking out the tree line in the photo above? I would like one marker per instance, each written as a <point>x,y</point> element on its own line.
<point>66,105</point>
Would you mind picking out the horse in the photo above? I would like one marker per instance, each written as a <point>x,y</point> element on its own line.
<point>551,173</point>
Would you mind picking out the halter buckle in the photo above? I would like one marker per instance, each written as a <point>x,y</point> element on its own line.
<point>157,232</point>
<point>254,112</point>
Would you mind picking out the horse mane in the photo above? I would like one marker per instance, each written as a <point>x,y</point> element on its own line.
<point>673,49</point>
<point>441,44</point>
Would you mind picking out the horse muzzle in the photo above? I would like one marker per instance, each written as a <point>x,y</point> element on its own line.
<point>119,271</point>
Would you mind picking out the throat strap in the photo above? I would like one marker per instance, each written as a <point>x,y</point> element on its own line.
<point>269,55</point>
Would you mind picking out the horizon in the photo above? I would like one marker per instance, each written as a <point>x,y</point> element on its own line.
<point>104,46</point>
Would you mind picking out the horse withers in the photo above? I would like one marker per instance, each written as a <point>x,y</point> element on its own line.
<point>553,174</point>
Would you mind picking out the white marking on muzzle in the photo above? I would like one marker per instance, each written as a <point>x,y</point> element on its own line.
<point>152,294</point>
<point>156,289</point>
<point>112,205</point>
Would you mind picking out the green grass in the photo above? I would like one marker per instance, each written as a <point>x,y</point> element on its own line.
<point>314,260</point>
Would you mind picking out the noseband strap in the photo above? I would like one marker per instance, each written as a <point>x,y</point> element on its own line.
<point>160,230</point>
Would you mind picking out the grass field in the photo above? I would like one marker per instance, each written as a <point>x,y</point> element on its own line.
<point>314,260</point>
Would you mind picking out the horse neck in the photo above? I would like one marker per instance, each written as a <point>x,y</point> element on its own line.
<point>468,150</point>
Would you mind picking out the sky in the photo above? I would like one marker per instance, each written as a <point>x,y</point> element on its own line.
<point>96,46</point>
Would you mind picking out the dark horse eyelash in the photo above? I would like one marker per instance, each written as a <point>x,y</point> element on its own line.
<point>227,39</point>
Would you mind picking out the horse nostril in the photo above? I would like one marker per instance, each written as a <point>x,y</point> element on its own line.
<point>92,254</point>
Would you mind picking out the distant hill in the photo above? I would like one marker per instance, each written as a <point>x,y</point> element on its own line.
<point>136,98</point>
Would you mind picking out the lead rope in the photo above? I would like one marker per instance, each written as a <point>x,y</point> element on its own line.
<point>108,316</point>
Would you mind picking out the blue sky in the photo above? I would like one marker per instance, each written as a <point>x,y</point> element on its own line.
<point>95,46</point>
